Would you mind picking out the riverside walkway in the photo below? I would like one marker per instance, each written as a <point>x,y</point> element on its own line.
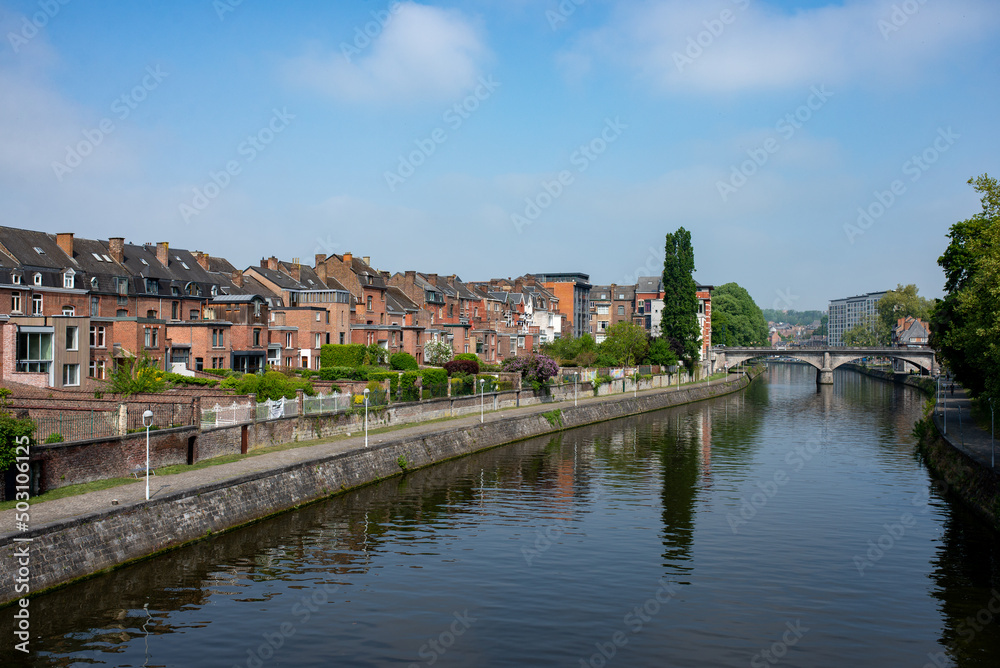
<point>94,503</point>
<point>953,418</point>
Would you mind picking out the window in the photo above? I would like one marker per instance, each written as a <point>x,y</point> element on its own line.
<point>288,339</point>
<point>451,310</point>
<point>152,286</point>
<point>369,302</point>
<point>71,374</point>
<point>199,363</point>
<point>621,309</point>
<point>318,315</point>
<point>120,285</point>
<point>38,278</point>
<point>152,335</point>
<point>72,338</point>
<point>341,338</point>
<point>215,290</point>
<point>319,340</point>
<point>98,369</point>
<point>218,338</point>
<point>68,279</point>
<point>602,310</point>
<point>96,336</point>
<point>15,302</point>
<point>174,307</point>
<point>93,283</point>
<point>95,306</point>
<point>36,304</point>
<point>151,314</point>
<point>513,345</point>
<point>122,300</point>
<point>328,337</point>
<point>193,315</point>
<point>16,278</point>
<point>256,337</point>
<point>34,352</point>
<point>520,342</point>
<point>121,313</point>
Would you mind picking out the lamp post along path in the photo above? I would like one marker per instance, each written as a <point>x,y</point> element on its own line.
<point>366,417</point>
<point>147,422</point>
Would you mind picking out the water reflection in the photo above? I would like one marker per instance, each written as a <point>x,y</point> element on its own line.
<point>549,541</point>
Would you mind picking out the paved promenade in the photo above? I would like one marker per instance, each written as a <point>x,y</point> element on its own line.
<point>91,503</point>
<point>953,418</point>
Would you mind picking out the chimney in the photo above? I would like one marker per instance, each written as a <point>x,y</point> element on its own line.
<point>432,279</point>
<point>272,263</point>
<point>348,259</point>
<point>411,277</point>
<point>237,278</point>
<point>367,259</point>
<point>202,259</point>
<point>163,253</point>
<point>296,269</point>
<point>65,241</point>
<point>116,249</point>
<point>321,266</point>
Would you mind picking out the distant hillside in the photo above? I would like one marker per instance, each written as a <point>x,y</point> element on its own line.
<point>792,317</point>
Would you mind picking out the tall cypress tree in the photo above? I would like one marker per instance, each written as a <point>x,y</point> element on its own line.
<point>679,321</point>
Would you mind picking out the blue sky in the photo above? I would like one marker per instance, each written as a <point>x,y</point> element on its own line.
<point>497,137</point>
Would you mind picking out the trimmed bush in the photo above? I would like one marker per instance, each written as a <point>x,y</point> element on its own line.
<point>407,386</point>
<point>271,385</point>
<point>403,362</point>
<point>178,379</point>
<point>342,355</point>
<point>343,373</point>
<point>393,377</point>
<point>218,372</point>
<point>458,366</point>
<point>434,376</point>
<point>470,357</point>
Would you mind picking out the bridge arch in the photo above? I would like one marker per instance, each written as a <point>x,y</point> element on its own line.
<point>825,360</point>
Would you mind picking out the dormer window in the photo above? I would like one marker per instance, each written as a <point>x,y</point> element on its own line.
<point>93,282</point>
<point>15,278</point>
<point>152,286</point>
<point>215,290</point>
<point>37,278</point>
<point>68,279</point>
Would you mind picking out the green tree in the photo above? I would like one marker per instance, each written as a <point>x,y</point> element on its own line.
<point>735,313</point>
<point>900,303</point>
<point>569,350</point>
<point>824,327</point>
<point>869,332</point>
<point>660,352</point>
<point>679,321</point>
<point>626,342</point>
<point>964,326</point>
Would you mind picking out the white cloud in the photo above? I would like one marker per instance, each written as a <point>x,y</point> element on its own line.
<point>423,53</point>
<point>673,44</point>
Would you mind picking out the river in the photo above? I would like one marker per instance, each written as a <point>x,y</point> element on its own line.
<point>784,525</point>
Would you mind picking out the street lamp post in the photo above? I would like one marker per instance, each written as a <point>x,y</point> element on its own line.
<point>147,422</point>
<point>576,379</point>
<point>482,400</point>
<point>366,417</point>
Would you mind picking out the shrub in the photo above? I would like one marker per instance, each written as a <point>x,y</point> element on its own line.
<point>470,357</point>
<point>403,362</point>
<point>219,372</point>
<point>407,386</point>
<point>178,379</point>
<point>272,385</point>
<point>342,354</point>
<point>435,381</point>
<point>535,368</point>
<point>437,352</point>
<point>54,438</point>
<point>134,375</point>
<point>343,373</point>
<point>382,375</point>
<point>457,366</point>
<point>11,430</point>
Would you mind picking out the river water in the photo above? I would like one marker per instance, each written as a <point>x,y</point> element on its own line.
<point>785,525</point>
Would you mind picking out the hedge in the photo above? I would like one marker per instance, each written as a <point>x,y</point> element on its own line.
<point>342,355</point>
<point>469,357</point>
<point>178,379</point>
<point>393,377</point>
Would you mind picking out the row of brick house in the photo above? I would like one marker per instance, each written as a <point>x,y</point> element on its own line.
<point>74,305</point>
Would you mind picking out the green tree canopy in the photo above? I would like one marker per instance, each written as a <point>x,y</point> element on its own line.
<point>660,352</point>
<point>900,303</point>
<point>626,343</point>
<point>569,350</point>
<point>965,326</point>
<point>679,321</point>
<point>870,331</point>
<point>736,318</point>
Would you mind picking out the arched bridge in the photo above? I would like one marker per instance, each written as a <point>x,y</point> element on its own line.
<point>826,359</point>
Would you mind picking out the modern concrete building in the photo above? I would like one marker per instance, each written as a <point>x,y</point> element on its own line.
<point>846,313</point>
<point>573,292</point>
